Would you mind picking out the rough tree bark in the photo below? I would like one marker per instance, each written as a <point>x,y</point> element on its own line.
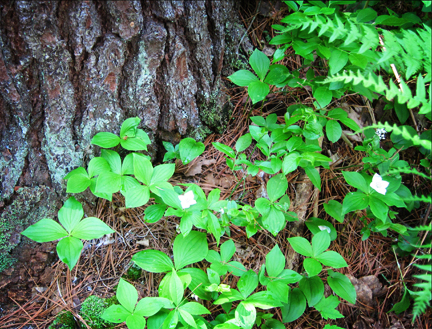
<point>69,69</point>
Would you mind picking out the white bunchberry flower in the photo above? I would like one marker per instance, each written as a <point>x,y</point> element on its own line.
<point>324,228</point>
<point>381,133</point>
<point>379,185</point>
<point>222,211</point>
<point>187,200</point>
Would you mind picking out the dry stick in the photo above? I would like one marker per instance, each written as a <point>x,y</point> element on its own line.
<point>395,72</point>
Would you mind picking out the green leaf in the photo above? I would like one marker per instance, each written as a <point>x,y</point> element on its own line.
<point>342,286</point>
<point>137,143</point>
<point>127,295</point>
<point>258,91</point>
<point>153,261</point>
<point>176,290</point>
<point>327,306</point>
<point>171,320</point>
<point>263,299</point>
<point>69,251</point>
<point>171,198</point>
<point>312,267</point>
<point>259,63</point>
<point>115,314</point>
<point>356,180</point>
<point>199,282</point>
<point>149,306</point>
<point>70,214</point>
<point>337,61</point>
<point>245,314</point>
<point>301,245</point>
<point>278,74</point>
<point>224,149</point>
<point>313,289</point>
<point>366,15</point>
<point>129,127</point>
<point>314,176</point>
<point>295,307</point>
<point>243,78</point>
<point>274,220</point>
<point>404,303</point>
<point>113,159</point>
<point>96,166</point>
<point>189,250</point>
<point>105,140</point>
<point>91,228</point>
<point>334,209</point>
<point>289,163</point>
<point>354,201</point>
<point>78,183</point>
<point>276,187</point>
<point>135,321</point>
<point>279,290</point>
<point>108,182</point>
<point>154,213</point>
<point>143,169</point>
<point>401,112</point>
<point>162,173</point>
<point>358,60</point>
<point>247,283</point>
<point>323,97</point>
<point>333,131</point>
<point>137,196</point>
<point>227,250</point>
<point>332,258</point>
<point>243,142</point>
<point>275,262</point>
<point>190,149</point>
<point>45,230</point>
<point>188,318</point>
<point>316,225</point>
<point>378,208</point>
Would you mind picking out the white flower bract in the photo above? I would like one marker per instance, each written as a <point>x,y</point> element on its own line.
<point>324,228</point>
<point>379,185</point>
<point>187,199</point>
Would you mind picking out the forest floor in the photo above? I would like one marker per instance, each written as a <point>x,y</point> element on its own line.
<point>374,268</point>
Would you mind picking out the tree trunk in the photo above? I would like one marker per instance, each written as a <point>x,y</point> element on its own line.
<point>70,69</point>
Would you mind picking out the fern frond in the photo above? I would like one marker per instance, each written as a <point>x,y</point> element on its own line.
<point>408,171</point>
<point>370,38</point>
<point>423,296</point>
<point>422,228</point>
<point>421,198</point>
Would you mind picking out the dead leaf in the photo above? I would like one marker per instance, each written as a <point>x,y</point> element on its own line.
<point>144,242</point>
<point>367,289</point>
<point>196,168</point>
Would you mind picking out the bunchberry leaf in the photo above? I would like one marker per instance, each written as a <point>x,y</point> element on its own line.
<point>227,250</point>
<point>190,249</point>
<point>45,230</point>
<point>69,251</point>
<point>275,262</point>
<point>334,209</point>
<point>115,314</point>
<point>333,131</point>
<point>127,295</point>
<point>258,91</point>
<point>276,187</point>
<point>129,127</point>
<point>245,315</point>
<point>356,180</point>
<point>327,306</point>
<point>279,290</point>
<point>320,242</point>
<point>332,258</point>
<point>313,289</point>
<point>113,159</point>
<point>143,169</point>
<point>295,307</point>
<point>190,149</point>
<point>301,245</point>
<point>194,308</point>
<point>342,286</point>
<point>96,166</point>
<point>354,201</point>
<point>135,321</point>
<point>162,173</point>
<point>247,283</point>
<point>105,140</point>
<point>137,143</point>
<point>153,261</point>
<point>259,63</point>
<point>243,78</point>
<point>70,214</point>
<point>108,182</point>
<point>312,267</point>
<point>175,289</point>
<point>91,228</point>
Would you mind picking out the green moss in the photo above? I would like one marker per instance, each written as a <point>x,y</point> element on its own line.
<point>30,205</point>
<point>133,273</point>
<point>92,310</point>
<point>64,320</point>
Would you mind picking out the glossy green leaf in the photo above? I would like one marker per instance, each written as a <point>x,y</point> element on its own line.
<point>97,165</point>
<point>108,182</point>
<point>342,286</point>
<point>78,183</point>
<point>115,314</point>
<point>323,97</point>
<point>366,15</point>
<point>259,63</point>
<point>245,314</point>
<point>333,130</point>
<point>153,261</point>
<point>70,214</point>
<point>91,228</point>
<point>332,258</point>
<point>337,61</point>
<point>295,307</point>
<point>243,142</point>
<point>135,321</point>
<point>327,306</point>
<point>190,149</point>
<point>113,159</point>
<point>289,163</point>
<point>105,139</point>
<point>129,127</point>
<point>312,267</point>
<point>228,151</point>
<point>190,249</point>
<point>149,306</point>
<point>334,209</point>
<point>314,176</point>
<point>258,91</point>
<point>276,187</point>
<point>69,251</point>
<point>354,201</point>
<point>301,245</point>
<point>247,283</point>
<point>313,289</point>
<point>162,173</point>
<point>143,169</point>
<point>45,230</point>
<point>227,250</point>
<point>137,196</point>
<point>275,262</point>
<point>127,295</point>
<point>176,290</point>
<point>320,242</point>
<point>137,143</point>
<point>243,78</point>
<point>356,180</point>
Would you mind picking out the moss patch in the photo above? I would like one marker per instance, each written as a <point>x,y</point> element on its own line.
<point>64,320</point>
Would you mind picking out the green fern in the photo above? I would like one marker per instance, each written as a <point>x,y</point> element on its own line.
<point>420,198</point>
<point>407,171</point>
